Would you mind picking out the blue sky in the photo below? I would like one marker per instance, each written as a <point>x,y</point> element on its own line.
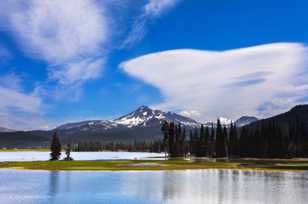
<point>98,59</point>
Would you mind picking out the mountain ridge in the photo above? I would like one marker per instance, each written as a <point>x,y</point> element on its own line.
<point>142,124</point>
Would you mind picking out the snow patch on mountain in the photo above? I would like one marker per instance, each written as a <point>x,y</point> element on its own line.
<point>142,117</point>
<point>145,116</point>
<point>245,120</point>
<point>225,121</point>
<point>89,124</point>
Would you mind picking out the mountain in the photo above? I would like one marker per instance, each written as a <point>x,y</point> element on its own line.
<point>245,120</point>
<point>225,121</point>
<point>146,117</point>
<point>97,125</point>
<point>298,113</point>
<point>143,124</point>
<point>3,129</point>
<point>140,125</point>
<point>141,117</point>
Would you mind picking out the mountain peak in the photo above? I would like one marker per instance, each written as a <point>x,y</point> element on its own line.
<point>245,120</point>
<point>145,116</point>
<point>143,107</point>
<point>225,121</point>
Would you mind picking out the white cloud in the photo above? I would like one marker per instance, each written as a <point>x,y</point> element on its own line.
<point>77,72</point>
<point>261,80</point>
<point>58,30</point>
<point>151,10</point>
<point>20,110</point>
<point>190,113</point>
<point>62,33</point>
<point>157,7</point>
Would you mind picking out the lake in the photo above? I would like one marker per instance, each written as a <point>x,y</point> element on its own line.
<point>153,187</point>
<point>43,156</point>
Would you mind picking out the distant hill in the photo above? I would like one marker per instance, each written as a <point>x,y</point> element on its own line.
<point>299,113</point>
<point>3,129</point>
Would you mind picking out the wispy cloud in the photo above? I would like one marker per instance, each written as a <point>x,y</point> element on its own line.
<point>65,34</point>
<point>150,11</point>
<point>77,72</point>
<point>19,109</point>
<point>228,83</point>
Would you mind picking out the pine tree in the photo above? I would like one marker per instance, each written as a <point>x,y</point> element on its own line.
<point>206,141</point>
<point>191,142</point>
<point>202,142</point>
<point>171,140</point>
<point>211,142</point>
<point>220,141</point>
<point>55,147</point>
<point>165,130</point>
<point>225,139</point>
<point>68,152</point>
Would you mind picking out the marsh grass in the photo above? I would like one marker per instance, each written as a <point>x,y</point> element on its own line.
<point>174,164</point>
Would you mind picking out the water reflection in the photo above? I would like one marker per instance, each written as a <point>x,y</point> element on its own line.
<point>170,187</point>
<point>53,182</point>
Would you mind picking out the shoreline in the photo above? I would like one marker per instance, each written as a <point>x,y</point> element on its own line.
<point>293,165</point>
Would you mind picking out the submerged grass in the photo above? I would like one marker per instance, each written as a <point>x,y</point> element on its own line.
<point>174,164</point>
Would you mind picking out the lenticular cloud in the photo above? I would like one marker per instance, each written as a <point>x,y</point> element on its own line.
<point>261,80</point>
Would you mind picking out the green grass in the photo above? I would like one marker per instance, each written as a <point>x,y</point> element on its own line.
<point>177,164</point>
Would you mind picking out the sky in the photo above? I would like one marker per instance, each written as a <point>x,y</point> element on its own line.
<point>73,60</point>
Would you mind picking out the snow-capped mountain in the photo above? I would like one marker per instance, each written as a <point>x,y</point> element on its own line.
<point>144,116</point>
<point>225,121</point>
<point>242,121</point>
<point>89,124</point>
<point>245,120</point>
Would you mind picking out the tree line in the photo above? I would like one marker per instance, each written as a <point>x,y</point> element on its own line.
<point>136,146</point>
<point>266,139</point>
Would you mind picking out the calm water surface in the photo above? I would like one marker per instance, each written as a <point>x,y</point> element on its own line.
<point>187,187</point>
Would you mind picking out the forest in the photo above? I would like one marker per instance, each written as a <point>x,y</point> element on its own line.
<point>266,139</point>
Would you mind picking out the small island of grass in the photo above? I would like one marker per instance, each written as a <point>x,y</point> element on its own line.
<point>174,164</point>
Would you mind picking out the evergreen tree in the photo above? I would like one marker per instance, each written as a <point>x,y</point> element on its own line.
<point>191,146</point>
<point>68,152</point>
<point>55,147</point>
<point>243,142</point>
<point>206,141</point>
<point>233,146</point>
<point>220,141</point>
<point>225,138</point>
<point>211,142</point>
<point>202,142</point>
<point>165,130</point>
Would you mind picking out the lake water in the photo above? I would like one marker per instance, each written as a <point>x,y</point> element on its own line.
<point>150,187</point>
<point>43,156</point>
